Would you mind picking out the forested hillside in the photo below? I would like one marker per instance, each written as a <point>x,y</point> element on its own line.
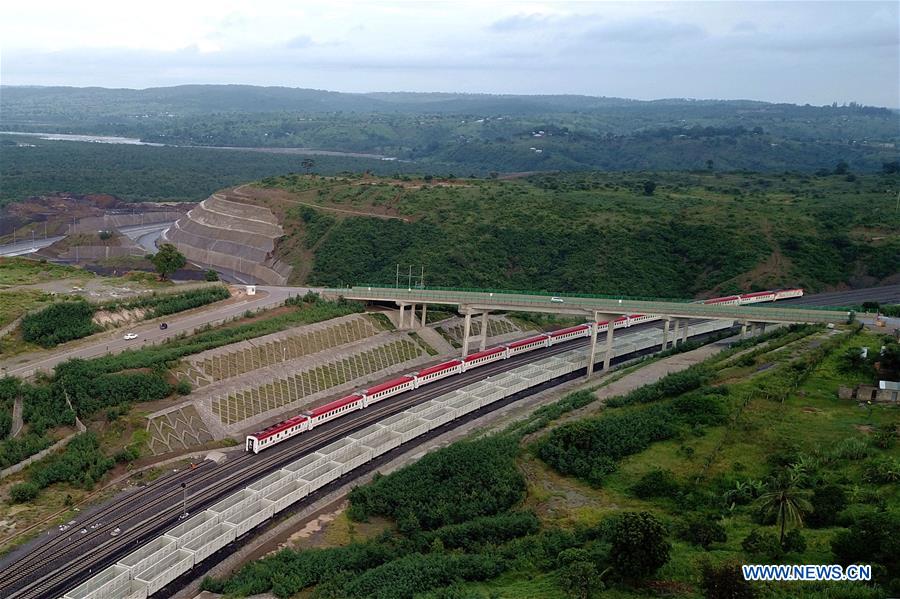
<point>675,235</point>
<point>476,133</point>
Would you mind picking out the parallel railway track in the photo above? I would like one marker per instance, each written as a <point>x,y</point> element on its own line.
<point>43,572</point>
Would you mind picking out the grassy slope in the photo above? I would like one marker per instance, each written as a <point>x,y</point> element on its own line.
<point>595,232</point>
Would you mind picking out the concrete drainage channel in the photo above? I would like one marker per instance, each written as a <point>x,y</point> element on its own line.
<point>167,563</point>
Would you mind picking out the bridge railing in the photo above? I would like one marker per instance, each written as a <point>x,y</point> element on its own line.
<point>611,305</point>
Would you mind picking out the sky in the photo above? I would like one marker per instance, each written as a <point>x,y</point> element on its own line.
<point>800,52</point>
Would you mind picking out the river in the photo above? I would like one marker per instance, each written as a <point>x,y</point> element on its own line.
<point>131,141</point>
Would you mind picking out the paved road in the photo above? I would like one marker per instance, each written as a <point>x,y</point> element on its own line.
<point>138,232</point>
<point>113,342</point>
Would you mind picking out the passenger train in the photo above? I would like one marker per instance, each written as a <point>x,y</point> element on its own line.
<point>308,420</point>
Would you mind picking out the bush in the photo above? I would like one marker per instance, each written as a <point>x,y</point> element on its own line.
<point>762,543</point>
<point>638,544</point>
<point>58,323</point>
<point>183,387</point>
<point>702,530</point>
<point>656,483</point>
<point>579,579</point>
<point>794,542</point>
<point>670,385</point>
<point>872,539</point>
<point>725,581</point>
<point>827,502</point>
<point>211,275</point>
<point>457,483</point>
<point>491,530</point>
<point>851,448</point>
<point>882,470</point>
<point>23,492</point>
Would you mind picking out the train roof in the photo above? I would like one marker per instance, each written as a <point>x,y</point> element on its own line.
<point>757,293</point>
<point>388,385</point>
<point>482,354</point>
<point>439,367</point>
<point>527,341</point>
<point>716,300</point>
<point>333,405</point>
<point>580,327</point>
<point>279,427</point>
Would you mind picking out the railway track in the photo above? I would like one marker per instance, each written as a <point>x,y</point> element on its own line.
<point>45,571</point>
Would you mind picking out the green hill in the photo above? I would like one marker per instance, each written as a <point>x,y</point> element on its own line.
<point>697,234</point>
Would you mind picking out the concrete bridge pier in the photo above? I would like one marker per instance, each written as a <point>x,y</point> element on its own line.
<point>744,328</point>
<point>467,327</point>
<point>760,328</point>
<point>593,354</point>
<point>484,331</point>
<point>402,315</point>
<point>665,333</point>
<point>675,332</point>
<point>684,334</point>
<point>609,344</point>
<point>424,321</point>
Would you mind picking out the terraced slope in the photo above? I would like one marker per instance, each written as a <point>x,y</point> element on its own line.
<point>231,236</point>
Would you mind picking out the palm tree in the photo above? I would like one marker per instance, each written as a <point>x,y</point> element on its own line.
<point>786,501</point>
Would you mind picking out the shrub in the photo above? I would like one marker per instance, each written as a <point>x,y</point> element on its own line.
<point>762,543</point>
<point>882,470</point>
<point>794,542</point>
<point>579,579</point>
<point>183,387</point>
<point>656,483</point>
<point>724,581</point>
<point>23,492</point>
<point>457,483</point>
<point>827,502</point>
<point>702,530</point>
<point>58,323</point>
<point>638,544</point>
<point>874,538</point>
<point>851,448</point>
<point>211,275</point>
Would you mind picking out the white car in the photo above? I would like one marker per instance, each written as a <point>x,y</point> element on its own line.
<point>130,336</point>
<point>557,300</point>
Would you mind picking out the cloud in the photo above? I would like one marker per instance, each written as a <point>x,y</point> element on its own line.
<point>520,23</point>
<point>301,41</point>
<point>644,31</point>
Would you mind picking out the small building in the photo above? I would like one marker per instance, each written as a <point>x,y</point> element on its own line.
<point>251,289</point>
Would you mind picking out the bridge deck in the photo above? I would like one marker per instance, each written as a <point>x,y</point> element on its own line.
<point>512,301</point>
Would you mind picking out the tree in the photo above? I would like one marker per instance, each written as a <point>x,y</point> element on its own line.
<point>211,275</point>
<point>167,260</point>
<point>579,579</point>
<point>827,501</point>
<point>308,164</point>
<point>702,530</point>
<point>841,168</point>
<point>638,544</point>
<point>649,187</point>
<point>709,165</point>
<point>786,502</point>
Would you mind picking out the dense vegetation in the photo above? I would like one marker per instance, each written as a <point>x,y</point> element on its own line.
<point>68,320</point>
<point>699,233</point>
<point>33,166</point>
<point>476,133</point>
<point>60,322</point>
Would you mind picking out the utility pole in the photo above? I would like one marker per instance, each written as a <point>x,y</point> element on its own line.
<point>184,500</point>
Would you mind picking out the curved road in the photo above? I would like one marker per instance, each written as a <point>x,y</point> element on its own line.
<point>142,233</point>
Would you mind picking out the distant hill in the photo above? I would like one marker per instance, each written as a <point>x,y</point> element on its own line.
<point>476,133</point>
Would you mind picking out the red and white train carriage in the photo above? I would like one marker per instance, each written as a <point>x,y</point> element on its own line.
<point>357,401</point>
